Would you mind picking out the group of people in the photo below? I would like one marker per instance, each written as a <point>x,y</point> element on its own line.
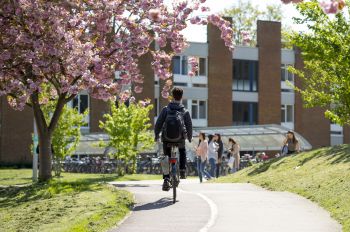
<point>175,126</point>
<point>211,151</point>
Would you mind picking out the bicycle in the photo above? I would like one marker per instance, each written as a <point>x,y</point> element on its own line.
<point>174,171</point>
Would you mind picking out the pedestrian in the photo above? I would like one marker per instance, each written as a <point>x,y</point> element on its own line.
<point>220,151</point>
<point>234,151</point>
<point>291,143</point>
<point>202,157</point>
<point>212,154</point>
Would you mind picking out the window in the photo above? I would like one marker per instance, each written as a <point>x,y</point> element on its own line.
<point>81,103</point>
<point>202,67</point>
<point>199,109</point>
<point>176,65</point>
<point>245,113</point>
<point>184,65</point>
<point>180,65</point>
<point>285,75</point>
<point>184,102</point>
<point>200,85</point>
<point>287,113</point>
<point>245,75</point>
<point>180,84</point>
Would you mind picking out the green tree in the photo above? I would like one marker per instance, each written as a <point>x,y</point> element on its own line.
<point>128,130</point>
<point>244,17</point>
<point>325,50</point>
<point>66,135</point>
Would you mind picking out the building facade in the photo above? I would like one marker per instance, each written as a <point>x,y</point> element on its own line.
<point>249,86</point>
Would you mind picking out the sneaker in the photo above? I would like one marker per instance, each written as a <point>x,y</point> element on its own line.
<point>166,185</point>
<point>182,174</point>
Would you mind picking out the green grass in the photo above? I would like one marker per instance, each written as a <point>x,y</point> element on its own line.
<point>322,176</point>
<point>74,202</point>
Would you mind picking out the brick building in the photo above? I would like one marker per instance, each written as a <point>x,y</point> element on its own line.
<point>244,87</point>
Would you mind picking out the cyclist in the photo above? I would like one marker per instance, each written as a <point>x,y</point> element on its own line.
<point>175,123</point>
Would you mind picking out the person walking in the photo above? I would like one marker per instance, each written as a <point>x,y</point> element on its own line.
<point>291,143</point>
<point>220,151</point>
<point>202,157</point>
<point>212,154</point>
<point>235,152</point>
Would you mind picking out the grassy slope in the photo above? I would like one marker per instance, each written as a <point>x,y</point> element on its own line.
<point>322,175</point>
<point>75,202</point>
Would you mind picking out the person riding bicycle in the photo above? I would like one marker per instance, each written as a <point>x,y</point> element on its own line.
<point>175,123</point>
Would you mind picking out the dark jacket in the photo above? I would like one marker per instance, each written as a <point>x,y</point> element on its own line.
<point>161,119</point>
<point>221,149</point>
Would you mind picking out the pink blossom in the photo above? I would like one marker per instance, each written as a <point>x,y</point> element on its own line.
<point>138,89</point>
<point>165,94</point>
<point>154,14</point>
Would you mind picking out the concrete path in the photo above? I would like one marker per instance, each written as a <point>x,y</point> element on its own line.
<point>221,208</point>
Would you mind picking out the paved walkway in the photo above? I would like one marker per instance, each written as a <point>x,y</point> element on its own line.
<point>221,208</point>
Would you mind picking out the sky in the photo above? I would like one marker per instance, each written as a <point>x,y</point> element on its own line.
<point>196,33</point>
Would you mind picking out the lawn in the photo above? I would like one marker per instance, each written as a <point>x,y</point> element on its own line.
<point>75,202</point>
<point>322,176</point>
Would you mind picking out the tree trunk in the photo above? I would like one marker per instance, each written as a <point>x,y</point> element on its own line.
<point>45,132</point>
<point>45,157</point>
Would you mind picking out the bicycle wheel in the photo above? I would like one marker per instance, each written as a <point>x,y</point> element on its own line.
<point>173,183</point>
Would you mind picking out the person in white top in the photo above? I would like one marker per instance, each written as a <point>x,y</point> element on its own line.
<point>235,152</point>
<point>212,154</point>
<point>202,157</point>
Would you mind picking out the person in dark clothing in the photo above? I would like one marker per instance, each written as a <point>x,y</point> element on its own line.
<point>220,151</point>
<point>174,105</point>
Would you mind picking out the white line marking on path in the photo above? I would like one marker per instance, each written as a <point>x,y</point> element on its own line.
<point>213,210</point>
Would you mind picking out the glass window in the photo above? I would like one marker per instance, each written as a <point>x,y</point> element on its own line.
<point>180,84</point>
<point>202,110</point>
<point>202,67</point>
<point>245,75</point>
<point>184,102</point>
<point>287,113</point>
<point>199,85</point>
<point>194,109</point>
<point>290,113</point>
<point>245,113</point>
<point>283,113</point>
<point>81,103</point>
<point>176,65</point>
<point>84,103</point>
<point>285,75</point>
<point>184,65</point>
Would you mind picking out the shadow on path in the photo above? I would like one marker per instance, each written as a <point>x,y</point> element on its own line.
<point>161,203</point>
<point>131,185</point>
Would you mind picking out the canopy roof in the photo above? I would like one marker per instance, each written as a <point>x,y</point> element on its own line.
<point>251,138</point>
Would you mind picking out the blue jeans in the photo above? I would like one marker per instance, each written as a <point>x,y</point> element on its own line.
<point>212,163</point>
<point>201,169</point>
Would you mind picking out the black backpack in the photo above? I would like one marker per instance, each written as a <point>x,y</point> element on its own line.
<point>174,129</point>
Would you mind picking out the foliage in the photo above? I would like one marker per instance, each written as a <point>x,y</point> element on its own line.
<point>328,7</point>
<point>66,135</point>
<point>322,176</point>
<point>325,51</point>
<point>80,45</point>
<point>128,130</point>
<point>244,17</point>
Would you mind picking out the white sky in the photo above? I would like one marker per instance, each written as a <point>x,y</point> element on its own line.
<point>198,33</point>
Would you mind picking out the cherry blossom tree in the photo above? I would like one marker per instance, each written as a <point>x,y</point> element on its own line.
<point>328,7</point>
<point>75,45</point>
